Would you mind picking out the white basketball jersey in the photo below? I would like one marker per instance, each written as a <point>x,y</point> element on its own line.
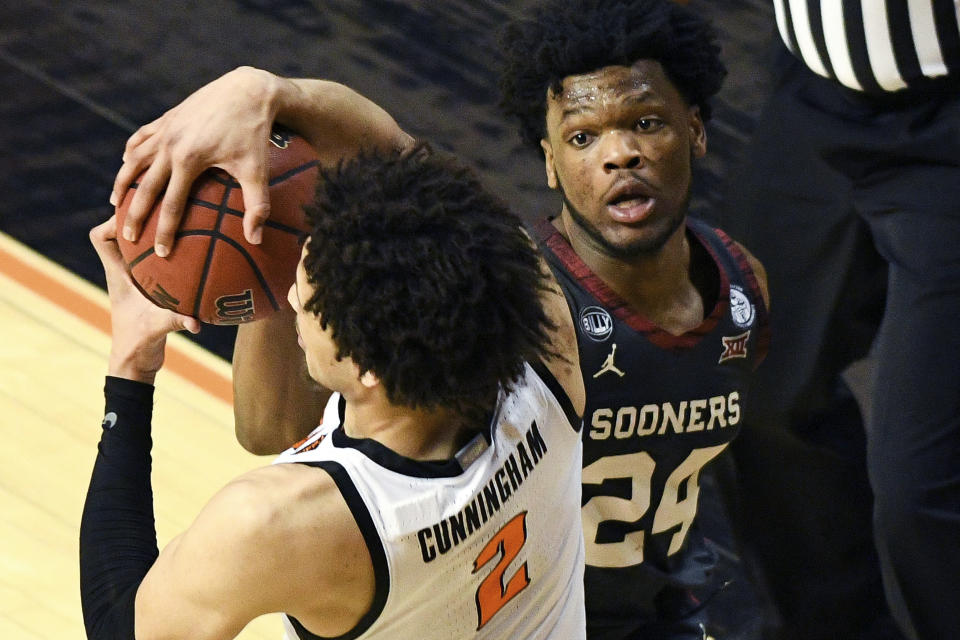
<point>487,545</point>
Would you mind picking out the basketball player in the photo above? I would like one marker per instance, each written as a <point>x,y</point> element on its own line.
<point>671,314</point>
<point>438,499</point>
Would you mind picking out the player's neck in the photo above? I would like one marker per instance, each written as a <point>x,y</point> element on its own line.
<point>418,434</point>
<point>659,286</point>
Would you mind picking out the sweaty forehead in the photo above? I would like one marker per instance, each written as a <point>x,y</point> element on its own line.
<point>643,78</point>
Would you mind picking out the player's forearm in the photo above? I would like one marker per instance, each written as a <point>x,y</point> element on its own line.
<point>118,542</point>
<point>336,120</point>
<point>275,402</point>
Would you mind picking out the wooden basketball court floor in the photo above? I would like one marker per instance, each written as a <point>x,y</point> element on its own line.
<point>55,329</point>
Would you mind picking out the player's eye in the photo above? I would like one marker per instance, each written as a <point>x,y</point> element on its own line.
<point>648,124</point>
<point>579,139</point>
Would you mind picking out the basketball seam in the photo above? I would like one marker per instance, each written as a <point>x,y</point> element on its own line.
<point>230,181</point>
<point>254,267</point>
<point>140,258</point>
<point>292,172</point>
<point>279,226</point>
<point>211,248</point>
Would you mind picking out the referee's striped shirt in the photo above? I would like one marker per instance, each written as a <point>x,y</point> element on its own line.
<point>873,45</point>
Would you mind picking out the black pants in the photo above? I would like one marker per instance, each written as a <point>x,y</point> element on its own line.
<point>853,206</point>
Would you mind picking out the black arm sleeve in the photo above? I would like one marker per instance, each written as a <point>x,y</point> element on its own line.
<point>118,540</point>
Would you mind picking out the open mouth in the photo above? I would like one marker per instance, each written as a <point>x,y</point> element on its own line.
<point>630,208</point>
<point>629,201</point>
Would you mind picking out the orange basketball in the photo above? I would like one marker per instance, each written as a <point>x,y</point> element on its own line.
<point>213,273</point>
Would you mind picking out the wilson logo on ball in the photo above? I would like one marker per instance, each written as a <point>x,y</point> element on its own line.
<point>163,298</point>
<point>236,308</point>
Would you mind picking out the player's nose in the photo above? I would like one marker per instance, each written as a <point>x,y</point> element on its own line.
<point>620,150</point>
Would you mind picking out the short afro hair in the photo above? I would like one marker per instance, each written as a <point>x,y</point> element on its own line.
<point>571,37</point>
<point>425,279</point>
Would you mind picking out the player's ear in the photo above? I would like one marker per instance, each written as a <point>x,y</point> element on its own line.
<point>369,379</point>
<point>698,133</point>
<point>548,163</point>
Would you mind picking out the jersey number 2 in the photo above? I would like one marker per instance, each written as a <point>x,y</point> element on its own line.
<point>492,593</point>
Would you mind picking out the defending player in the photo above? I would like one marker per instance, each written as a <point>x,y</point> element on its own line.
<point>671,314</point>
<point>436,500</point>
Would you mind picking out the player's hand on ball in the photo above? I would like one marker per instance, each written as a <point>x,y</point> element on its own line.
<point>139,327</point>
<point>224,124</point>
<point>213,273</point>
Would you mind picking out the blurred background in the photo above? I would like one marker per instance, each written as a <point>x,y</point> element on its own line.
<point>78,78</point>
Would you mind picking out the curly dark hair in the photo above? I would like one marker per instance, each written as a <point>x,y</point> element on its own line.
<point>425,278</point>
<point>571,37</point>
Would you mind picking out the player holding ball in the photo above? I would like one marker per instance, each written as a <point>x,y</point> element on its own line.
<point>439,498</point>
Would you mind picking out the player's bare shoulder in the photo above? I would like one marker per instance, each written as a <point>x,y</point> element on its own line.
<point>565,364</point>
<point>307,544</point>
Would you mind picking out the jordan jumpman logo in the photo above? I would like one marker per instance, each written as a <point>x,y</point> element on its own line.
<point>608,365</point>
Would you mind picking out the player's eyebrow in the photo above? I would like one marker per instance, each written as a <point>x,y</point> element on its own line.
<point>572,111</point>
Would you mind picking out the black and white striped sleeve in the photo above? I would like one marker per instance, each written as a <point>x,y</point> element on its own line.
<point>873,45</point>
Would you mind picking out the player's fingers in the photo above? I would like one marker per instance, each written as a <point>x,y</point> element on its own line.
<point>171,211</point>
<point>137,156</point>
<point>107,229</point>
<point>125,177</point>
<point>256,207</point>
<point>188,323</point>
<point>149,188</point>
<point>139,137</point>
<point>103,237</point>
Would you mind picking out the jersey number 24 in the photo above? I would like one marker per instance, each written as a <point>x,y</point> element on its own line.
<point>671,512</point>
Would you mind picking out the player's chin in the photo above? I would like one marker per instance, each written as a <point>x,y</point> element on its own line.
<point>643,239</point>
<point>632,243</point>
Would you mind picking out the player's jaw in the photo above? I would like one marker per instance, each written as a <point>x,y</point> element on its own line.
<point>629,220</point>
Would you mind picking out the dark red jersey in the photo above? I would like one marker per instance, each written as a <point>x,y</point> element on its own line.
<point>659,409</point>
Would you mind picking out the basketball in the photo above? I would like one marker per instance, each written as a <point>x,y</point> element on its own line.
<point>212,273</point>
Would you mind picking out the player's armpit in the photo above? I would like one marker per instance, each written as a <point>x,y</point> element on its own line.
<point>201,585</point>
<point>275,401</point>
